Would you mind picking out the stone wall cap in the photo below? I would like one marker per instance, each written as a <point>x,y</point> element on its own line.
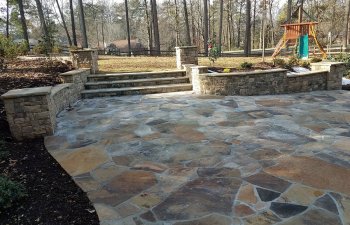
<point>26,92</point>
<point>74,72</point>
<point>243,73</point>
<point>327,63</point>
<point>308,73</point>
<point>179,47</point>
<point>199,67</point>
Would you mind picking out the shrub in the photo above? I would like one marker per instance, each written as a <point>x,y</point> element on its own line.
<point>315,59</point>
<point>57,49</point>
<point>227,70</point>
<point>9,49</point>
<point>40,49</point>
<point>279,62</point>
<point>246,65</point>
<point>304,63</point>
<point>293,61</point>
<point>10,192</point>
<point>213,50</point>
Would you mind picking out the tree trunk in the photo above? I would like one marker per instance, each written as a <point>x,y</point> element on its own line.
<point>271,25</point>
<point>289,11</point>
<point>346,24</point>
<point>205,24</point>
<point>254,25</point>
<point>127,26</point>
<point>74,34</point>
<point>45,31</point>
<point>149,31</point>
<point>82,23</point>
<point>247,42</point>
<point>7,19</point>
<point>220,24</point>
<point>188,35</point>
<point>239,25</point>
<point>155,26</point>
<point>64,23</point>
<point>194,41</point>
<point>177,23</point>
<point>23,23</point>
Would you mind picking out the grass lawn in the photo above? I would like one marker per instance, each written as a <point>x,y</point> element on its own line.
<point>108,64</point>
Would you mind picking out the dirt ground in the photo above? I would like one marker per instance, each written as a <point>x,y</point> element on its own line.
<point>53,197</point>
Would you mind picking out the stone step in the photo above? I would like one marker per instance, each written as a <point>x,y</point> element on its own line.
<point>136,90</point>
<point>136,83</point>
<point>134,76</point>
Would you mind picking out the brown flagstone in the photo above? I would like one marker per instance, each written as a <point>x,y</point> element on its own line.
<point>146,200</point>
<point>150,166</point>
<point>87,183</point>
<point>246,194</point>
<point>106,212</point>
<point>265,218</point>
<point>214,219</point>
<point>274,102</point>
<point>267,181</point>
<point>314,217</point>
<point>188,133</point>
<point>313,172</point>
<point>218,172</point>
<point>301,194</point>
<point>265,154</point>
<point>242,210</point>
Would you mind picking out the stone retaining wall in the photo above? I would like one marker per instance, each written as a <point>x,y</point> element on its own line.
<point>31,112</point>
<point>85,58</point>
<point>325,76</point>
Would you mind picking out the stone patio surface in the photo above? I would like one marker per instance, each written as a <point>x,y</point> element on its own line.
<point>182,159</point>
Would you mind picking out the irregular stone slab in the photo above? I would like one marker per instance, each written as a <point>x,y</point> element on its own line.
<point>150,166</point>
<point>188,133</point>
<point>307,170</point>
<point>243,210</point>
<point>266,218</point>
<point>130,183</point>
<point>286,210</point>
<point>314,217</point>
<point>146,200</point>
<point>267,195</point>
<point>280,134</point>
<point>274,102</point>
<point>107,172</point>
<point>55,142</point>
<point>199,198</point>
<point>246,194</point>
<point>82,160</point>
<point>126,209</point>
<point>267,181</point>
<point>124,160</point>
<point>148,216</point>
<point>264,154</point>
<point>156,122</point>
<point>209,220</point>
<point>143,130</point>
<point>87,183</point>
<point>105,212</point>
<point>327,203</point>
<point>104,197</point>
<point>218,172</point>
<point>301,194</point>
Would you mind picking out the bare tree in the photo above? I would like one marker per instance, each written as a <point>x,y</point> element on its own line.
<point>7,18</point>
<point>64,23</point>
<point>82,23</point>
<point>346,24</point>
<point>127,26</point>
<point>239,24</point>
<point>23,23</point>
<point>155,26</point>
<point>289,11</point>
<point>206,26</point>
<point>220,24</point>
<point>149,29</point>
<point>247,42</point>
<point>188,36</point>
<point>44,28</point>
<point>74,35</point>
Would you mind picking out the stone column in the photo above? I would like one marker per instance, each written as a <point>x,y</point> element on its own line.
<point>86,58</point>
<point>336,70</point>
<point>28,112</point>
<point>186,55</point>
<point>195,73</point>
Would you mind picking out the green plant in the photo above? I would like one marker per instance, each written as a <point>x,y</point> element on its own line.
<point>9,49</point>
<point>40,48</point>
<point>213,50</point>
<point>57,49</point>
<point>227,70</point>
<point>10,192</point>
<point>246,65</point>
<point>279,62</point>
<point>304,63</point>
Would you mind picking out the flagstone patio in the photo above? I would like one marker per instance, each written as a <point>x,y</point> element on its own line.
<point>182,159</point>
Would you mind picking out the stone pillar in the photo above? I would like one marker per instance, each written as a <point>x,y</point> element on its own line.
<point>336,70</point>
<point>188,68</point>
<point>195,73</point>
<point>86,58</point>
<point>186,55</point>
<point>28,112</point>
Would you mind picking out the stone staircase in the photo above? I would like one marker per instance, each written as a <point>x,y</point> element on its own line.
<point>118,84</point>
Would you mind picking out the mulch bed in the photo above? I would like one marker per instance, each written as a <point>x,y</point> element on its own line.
<point>257,66</point>
<point>53,197</point>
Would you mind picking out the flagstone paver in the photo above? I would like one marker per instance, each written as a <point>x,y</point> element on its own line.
<point>179,158</point>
